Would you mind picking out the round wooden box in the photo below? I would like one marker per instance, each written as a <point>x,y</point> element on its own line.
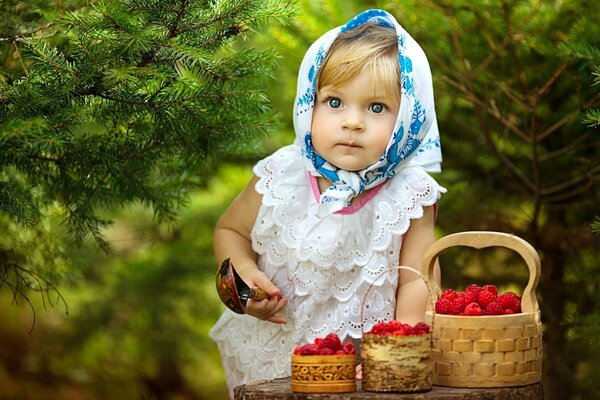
<point>323,374</point>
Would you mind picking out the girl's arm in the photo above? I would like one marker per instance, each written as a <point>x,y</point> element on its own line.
<point>412,294</point>
<point>232,240</point>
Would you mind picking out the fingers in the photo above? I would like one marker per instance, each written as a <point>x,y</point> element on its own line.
<point>277,320</point>
<point>359,372</point>
<point>267,309</point>
<point>257,279</point>
<point>262,282</point>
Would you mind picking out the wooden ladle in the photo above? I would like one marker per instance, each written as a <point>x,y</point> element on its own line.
<point>233,291</point>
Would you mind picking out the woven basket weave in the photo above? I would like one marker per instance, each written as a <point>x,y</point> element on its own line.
<point>488,351</point>
<point>396,363</point>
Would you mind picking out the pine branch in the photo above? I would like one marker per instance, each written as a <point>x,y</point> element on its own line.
<point>31,34</point>
<point>18,203</point>
<point>20,281</point>
<point>128,102</point>
<point>596,226</point>
<point>592,118</point>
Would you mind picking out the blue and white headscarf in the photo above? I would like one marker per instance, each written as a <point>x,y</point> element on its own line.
<point>415,138</point>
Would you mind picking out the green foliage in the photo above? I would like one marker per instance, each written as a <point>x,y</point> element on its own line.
<point>583,321</point>
<point>123,102</point>
<point>139,322</point>
<point>596,226</point>
<point>592,117</point>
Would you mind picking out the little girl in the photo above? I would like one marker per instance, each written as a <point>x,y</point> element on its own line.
<point>328,216</point>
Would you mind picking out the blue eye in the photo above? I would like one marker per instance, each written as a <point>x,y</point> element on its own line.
<point>334,102</point>
<point>377,108</point>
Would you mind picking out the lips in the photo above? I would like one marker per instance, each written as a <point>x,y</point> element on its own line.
<point>349,145</point>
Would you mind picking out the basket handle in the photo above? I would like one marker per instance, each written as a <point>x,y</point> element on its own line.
<point>483,239</point>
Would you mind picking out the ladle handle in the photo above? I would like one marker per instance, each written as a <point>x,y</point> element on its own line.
<point>258,294</point>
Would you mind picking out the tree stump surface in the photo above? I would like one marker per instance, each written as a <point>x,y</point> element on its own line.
<point>279,389</point>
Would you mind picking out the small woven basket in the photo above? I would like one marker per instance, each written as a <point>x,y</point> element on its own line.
<point>323,374</point>
<point>488,351</point>
<point>396,363</point>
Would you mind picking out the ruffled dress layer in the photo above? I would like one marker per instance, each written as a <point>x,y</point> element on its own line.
<point>324,267</point>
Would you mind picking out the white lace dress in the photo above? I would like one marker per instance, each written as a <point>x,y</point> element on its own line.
<point>322,266</point>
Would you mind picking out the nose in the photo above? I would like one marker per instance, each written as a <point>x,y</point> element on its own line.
<point>353,120</point>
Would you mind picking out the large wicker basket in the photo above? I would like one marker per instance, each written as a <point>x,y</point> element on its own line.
<point>488,351</point>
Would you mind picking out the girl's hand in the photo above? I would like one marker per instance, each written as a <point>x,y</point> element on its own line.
<point>266,309</point>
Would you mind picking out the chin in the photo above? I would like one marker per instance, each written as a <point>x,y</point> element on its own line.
<point>351,165</point>
<point>349,168</point>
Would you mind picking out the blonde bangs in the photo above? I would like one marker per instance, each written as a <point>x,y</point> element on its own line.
<point>371,47</point>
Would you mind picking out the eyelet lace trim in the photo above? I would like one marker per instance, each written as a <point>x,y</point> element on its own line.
<point>340,241</point>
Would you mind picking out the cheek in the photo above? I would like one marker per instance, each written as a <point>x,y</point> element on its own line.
<point>318,119</point>
<point>318,130</point>
<point>319,142</point>
<point>384,138</point>
<point>380,147</point>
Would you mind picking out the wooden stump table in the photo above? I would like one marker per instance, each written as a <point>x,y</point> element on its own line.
<point>279,389</point>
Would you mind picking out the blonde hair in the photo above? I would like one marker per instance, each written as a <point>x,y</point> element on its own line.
<point>369,46</point>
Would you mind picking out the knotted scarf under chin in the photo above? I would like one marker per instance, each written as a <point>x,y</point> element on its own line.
<point>414,139</point>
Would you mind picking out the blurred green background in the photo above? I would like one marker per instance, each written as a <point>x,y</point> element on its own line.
<point>516,103</point>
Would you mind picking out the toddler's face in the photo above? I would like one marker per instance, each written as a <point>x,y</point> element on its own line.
<point>352,123</point>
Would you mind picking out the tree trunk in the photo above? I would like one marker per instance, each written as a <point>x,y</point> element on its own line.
<point>558,367</point>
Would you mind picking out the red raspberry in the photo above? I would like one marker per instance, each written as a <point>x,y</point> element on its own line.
<point>393,326</point>
<point>449,294</point>
<point>340,352</point>
<point>469,296</point>
<point>408,330</point>
<point>491,289</point>
<point>494,308</point>
<point>473,288</point>
<point>405,330</point>
<point>443,306</point>
<point>485,297</point>
<point>397,328</point>
<point>517,308</point>
<point>458,305</point>
<point>326,351</point>
<point>379,328</point>
<point>508,311</point>
<point>348,348</point>
<point>421,328</point>
<point>332,341</point>
<point>310,349</point>
<point>472,309</point>
<point>511,301</point>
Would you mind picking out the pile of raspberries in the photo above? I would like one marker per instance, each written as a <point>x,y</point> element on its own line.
<point>330,345</point>
<point>478,300</point>
<point>397,328</point>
